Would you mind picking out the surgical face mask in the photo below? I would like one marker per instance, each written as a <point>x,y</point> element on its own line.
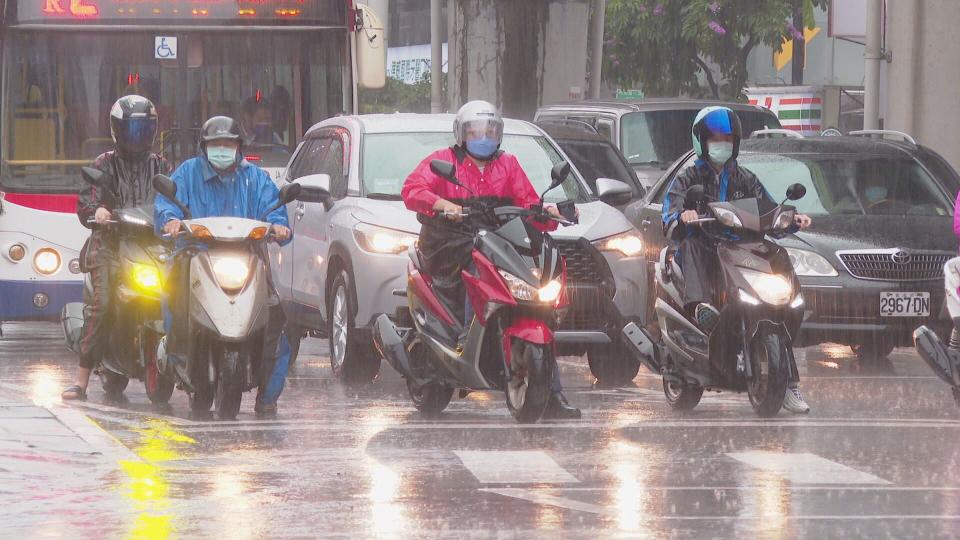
<point>875,193</point>
<point>221,157</point>
<point>482,148</point>
<point>720,152</point>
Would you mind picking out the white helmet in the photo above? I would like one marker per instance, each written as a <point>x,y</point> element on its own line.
<point>478,128</point>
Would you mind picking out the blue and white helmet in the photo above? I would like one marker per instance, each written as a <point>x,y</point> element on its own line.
<point>715,121</point>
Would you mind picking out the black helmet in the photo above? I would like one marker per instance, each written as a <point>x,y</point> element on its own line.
<point>220,127</point>
<point>133,125</point>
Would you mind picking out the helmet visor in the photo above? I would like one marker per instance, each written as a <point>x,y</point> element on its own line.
<point>138,132</point>
<point>475,130</point>
<point>718,122</point>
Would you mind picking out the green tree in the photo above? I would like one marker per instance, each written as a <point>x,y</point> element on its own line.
<point>665,45</point>
<point>398,96</point>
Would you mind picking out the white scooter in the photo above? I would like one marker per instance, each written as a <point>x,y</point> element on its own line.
<point>228,305</point>
<point>944,359</point>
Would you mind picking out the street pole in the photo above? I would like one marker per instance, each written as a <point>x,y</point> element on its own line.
<point>872,56</point>
<point>596,47</point>
<point>436,58</point>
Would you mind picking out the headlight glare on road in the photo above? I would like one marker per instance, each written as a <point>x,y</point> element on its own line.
<point>381,240</point>
<point>771,288</point>
<point>630,244</point>
<point>47,261</point>
<point>231,272</point>
<point>810,264</point>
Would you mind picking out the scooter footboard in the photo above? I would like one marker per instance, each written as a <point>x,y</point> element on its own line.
<point>387,340</point>
<point>71,318</point>
<point>944,362</point>
<point>641,344</point>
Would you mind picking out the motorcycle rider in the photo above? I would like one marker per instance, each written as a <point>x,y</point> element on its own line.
<point>716,140</point>
<point>131,167</point>
<point>489,173</point>
<point>220,182</point>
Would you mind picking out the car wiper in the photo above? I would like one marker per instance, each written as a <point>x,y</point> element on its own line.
<point>385,196</point>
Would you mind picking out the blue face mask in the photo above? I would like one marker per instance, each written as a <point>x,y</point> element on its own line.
<point>875,193</point>
<point>221,158</point>
<point>482,148</point>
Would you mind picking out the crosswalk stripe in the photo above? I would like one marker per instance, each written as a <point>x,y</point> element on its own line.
<point>514,467</point>
<point>805,468</point>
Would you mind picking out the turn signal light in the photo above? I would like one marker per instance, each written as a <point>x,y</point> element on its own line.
<point>201,232</point>
<point>257,233</point>
<point>17,252</point>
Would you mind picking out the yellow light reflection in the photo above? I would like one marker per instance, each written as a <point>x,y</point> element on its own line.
<point>146,486</point>
<point>766,504</point>
<point>831,365</point>
<point>388,519</point>
<point>44,387</point>
<point>233,492</point>
<point>549,517</point>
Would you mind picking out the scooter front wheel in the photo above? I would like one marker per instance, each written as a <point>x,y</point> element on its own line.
<point>768,384</point>
<point>158,387</point>
<point>528,388</point>
<point>113,383</point>
<point>680,396</point>
<point>230,382</point>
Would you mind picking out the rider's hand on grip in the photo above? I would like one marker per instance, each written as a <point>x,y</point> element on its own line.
<point>689,215</point>
<point>172,228</point>
<point>102,215</point>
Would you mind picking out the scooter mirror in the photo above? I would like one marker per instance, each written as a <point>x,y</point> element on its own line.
<point>693,198</point>
<point>289,193</point>
<point>444,169</point>
<point>92,176</point>
<point>558,174</point>
<point>796,192</point>
<point>163,185</point>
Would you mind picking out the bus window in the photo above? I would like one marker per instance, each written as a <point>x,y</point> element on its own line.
<point>56,112</point>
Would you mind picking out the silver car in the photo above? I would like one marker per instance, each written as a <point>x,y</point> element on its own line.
<point>349,253</point>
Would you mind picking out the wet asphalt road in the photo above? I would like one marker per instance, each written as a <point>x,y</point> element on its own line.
<point>878,457</point>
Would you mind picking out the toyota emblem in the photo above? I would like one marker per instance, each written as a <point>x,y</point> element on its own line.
<point>901,257</point>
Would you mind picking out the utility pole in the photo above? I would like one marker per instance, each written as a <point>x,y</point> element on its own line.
<point>436,57</point>
<point>872,56</point>
<point>799,48</point>
<point>596,47</point>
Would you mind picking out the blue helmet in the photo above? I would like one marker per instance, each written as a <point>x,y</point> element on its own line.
<point>715,121</point>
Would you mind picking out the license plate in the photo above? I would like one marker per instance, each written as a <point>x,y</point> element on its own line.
<point>904,304</point>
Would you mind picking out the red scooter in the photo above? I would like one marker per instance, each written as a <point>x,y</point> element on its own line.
<point>517,289</point>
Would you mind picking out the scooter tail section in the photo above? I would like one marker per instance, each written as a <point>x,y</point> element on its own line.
<point>391,345</point>
<point>942,360</point>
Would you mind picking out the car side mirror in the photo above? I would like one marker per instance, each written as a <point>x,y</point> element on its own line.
<point>613,192</point>
<point>289,193</point>
<point>315,188</point>
<point>693,198</point>
<point>796,192</point>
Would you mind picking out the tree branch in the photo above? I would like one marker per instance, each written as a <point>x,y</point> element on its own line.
<point>714,89</point>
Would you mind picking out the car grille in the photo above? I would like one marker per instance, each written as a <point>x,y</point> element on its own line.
<point>894,265</point>
<point>581,264</point>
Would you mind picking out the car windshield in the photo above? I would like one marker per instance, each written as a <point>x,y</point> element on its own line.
<point>853,184</point>
<point>598,159</point>
<point>388,158</point>
<point>661,137</point>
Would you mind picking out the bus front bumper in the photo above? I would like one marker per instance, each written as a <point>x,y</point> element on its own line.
<point>37,300</point>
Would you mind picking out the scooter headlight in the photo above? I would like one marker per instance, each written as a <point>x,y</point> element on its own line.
<point>231,272</point>
<point>773,289</point>
<point>727,218</point>
<point>520,289</point>
<point>146,277</point>
<point>551,291</point>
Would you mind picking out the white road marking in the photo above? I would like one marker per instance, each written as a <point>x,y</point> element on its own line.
<point>805,468</point>
<point>539,497</point>
<point>99,439</point>
<point>514,467</point>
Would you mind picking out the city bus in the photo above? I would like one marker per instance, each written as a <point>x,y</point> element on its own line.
<point>278,65</point>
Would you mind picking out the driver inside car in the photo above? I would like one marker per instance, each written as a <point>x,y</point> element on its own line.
<point>490,174</point>
<point>716,140</point>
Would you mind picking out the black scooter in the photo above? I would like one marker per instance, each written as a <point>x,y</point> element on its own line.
<point>135,321</point>
<point>751,347</point>
<point>944,360</point>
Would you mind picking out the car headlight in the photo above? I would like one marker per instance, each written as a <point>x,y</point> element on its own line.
<point>629,243</point>
<point>381,240</point>
<point>771,288</point>
<point>146,277</point>
<point>46,261</point>
<point>727,218</point>
<point>551,291</point>
<point>520,289</point>
<point>231,272</point>
<point>810,264</point>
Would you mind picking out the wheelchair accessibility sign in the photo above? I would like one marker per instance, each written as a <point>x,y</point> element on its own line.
<point>165,48</point>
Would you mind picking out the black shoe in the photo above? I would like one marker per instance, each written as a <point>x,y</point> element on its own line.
<point>265,410</point>
<point>559,409</point>
<point>707,317</point>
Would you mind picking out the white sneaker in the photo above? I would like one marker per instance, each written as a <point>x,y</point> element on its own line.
<point>793,401</point>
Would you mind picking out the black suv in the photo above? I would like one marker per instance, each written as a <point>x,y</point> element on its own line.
<point>652,133</point>
<point>871,266</point>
